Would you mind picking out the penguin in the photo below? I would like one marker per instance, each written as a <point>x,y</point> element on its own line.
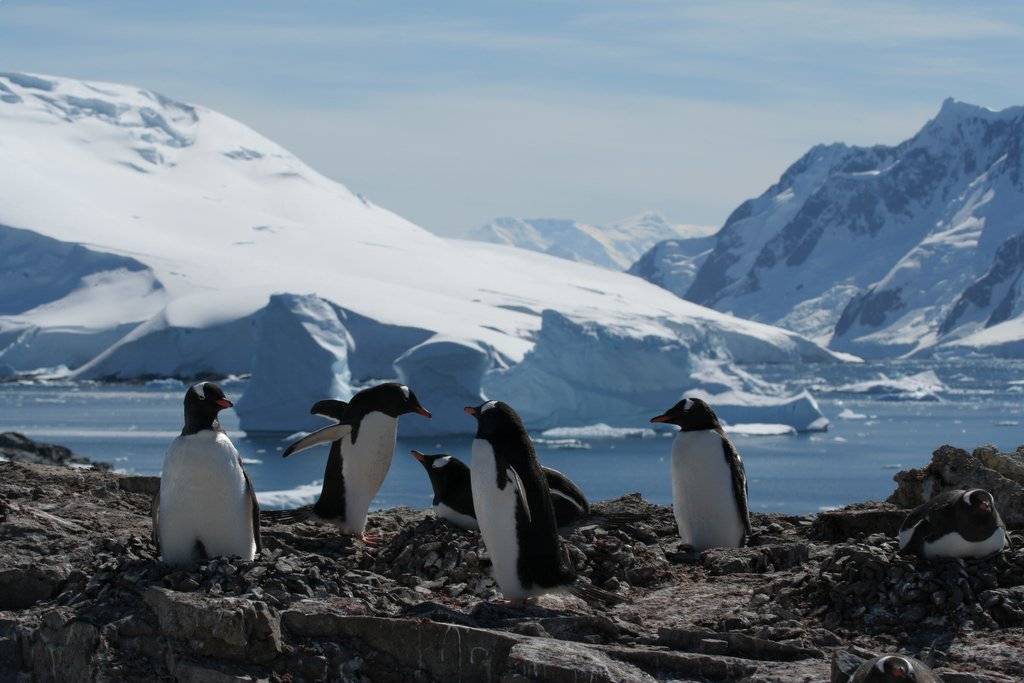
<point>453,494</point>
<point>362,438</point>
<point>206,505</point>
<point>709,483</point>
<point>955,523</point>
<point>513,508</point>
<point>894,669</point>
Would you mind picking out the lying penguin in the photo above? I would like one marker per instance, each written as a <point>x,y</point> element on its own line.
<point>955,523</point>
<point>362,439</point>
<point>894,669</point>
<point>206,505</point>
<point>709,483</point>
<point>453,494</point>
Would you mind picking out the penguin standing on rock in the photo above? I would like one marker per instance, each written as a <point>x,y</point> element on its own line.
<point>954,523</point>
<point>206,505</point>
<point>709,483</point>
<point>453,494</point>
<point>894,669</point>
<point>513,507</point>
<point>362,445</point>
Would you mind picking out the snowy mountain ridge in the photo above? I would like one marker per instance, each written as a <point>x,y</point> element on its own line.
<point>614,246</point>
<point>144,237</point>
<point>882,251</point>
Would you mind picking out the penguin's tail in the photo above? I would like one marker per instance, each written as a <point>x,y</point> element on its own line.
<point>591,594</point>
<point>296,516</point>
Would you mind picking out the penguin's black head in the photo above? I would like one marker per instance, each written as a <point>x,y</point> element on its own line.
<point>202,403</point>
<point>431,463</point>
<point>690,415</point>
<point>390,398</point>
<point>979,502</point>
<point>495,418</point>
<point>895,668</point>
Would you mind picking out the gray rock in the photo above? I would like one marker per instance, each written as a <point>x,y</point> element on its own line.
<point>556,661</point>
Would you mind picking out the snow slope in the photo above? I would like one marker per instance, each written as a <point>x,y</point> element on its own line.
<point>883,251</point>
<point>614,246</point>
<point>174,241</point>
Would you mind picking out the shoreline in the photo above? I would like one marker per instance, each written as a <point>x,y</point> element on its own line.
<point>81,595</point>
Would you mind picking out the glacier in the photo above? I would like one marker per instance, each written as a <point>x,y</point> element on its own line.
<point>615,246</point>
<point>164,239</point>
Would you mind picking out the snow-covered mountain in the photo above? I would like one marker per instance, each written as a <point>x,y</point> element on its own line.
<point>673,264</point>
<point>610,246</point>
<point>883,251</point>
<point>144,237</point>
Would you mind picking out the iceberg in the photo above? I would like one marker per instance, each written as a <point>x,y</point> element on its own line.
<point>599,431</point>
<point>924,386</point>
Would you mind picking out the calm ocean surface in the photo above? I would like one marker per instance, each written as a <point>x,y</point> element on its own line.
<point>131,426</point>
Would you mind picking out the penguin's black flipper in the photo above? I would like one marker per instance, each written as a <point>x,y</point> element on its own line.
<point>334,432</point>
<point>254,510</point>
<point>739,481</point>
<point>154,512</point>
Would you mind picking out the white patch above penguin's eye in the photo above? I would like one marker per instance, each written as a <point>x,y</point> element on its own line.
<point>405,390</point>
<point>441,462</point>
<point>487,406</point>
<point>200,389</point>
<point>687,405</point>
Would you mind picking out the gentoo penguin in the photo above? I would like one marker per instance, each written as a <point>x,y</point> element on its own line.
<point>513,507</point>
<point>453,494</point>
<point>954,523</point>
<point>709,484</point>
<point>362,445</point>
<point>206,505</point>
<point>894,669</point>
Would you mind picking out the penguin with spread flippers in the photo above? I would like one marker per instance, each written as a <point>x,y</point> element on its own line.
<point>955,523</point>
<point>362,439</point>
<point>453,495</point>
<point>206,505</point>
<point>709,482</point>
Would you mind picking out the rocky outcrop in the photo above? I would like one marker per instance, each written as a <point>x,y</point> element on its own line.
<point>15,447</point>
<point>83,597</point>
<point>1001,474</point>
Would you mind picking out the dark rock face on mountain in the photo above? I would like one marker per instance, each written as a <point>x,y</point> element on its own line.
<point>884,250</point>
<point>82,597</point>
<point>673,264</point>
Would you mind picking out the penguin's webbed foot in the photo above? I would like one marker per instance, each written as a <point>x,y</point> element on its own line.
<point>372,539</point>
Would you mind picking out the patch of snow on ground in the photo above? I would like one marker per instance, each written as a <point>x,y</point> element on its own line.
<point>760,429</point>
<point>598,431</point>
<point>306,494</point>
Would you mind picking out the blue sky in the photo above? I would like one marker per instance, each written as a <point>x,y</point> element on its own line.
<point>453,113</point>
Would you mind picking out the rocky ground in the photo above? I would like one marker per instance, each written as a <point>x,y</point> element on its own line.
<point>82,596</point>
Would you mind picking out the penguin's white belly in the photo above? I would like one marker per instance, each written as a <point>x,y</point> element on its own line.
<point>457,518</point>
<point>365,464</point>
<point>703,499</point>
<point>203,498</point>
<point>496,516</point>
<point>955,545</point>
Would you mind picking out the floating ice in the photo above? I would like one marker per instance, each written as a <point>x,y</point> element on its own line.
<point>598,431</point>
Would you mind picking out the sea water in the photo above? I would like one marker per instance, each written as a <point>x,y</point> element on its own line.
<point>130,426</point>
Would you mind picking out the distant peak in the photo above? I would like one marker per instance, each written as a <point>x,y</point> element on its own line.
<point>955,110</point>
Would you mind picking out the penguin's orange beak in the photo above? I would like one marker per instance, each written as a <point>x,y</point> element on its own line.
<point>423,411</point>
<point>661,418</point>
<point>419,456</point>
<point>224,403</point>
<point>470,410</point>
